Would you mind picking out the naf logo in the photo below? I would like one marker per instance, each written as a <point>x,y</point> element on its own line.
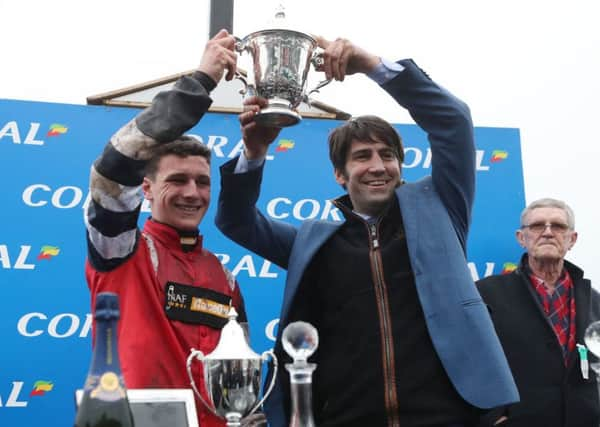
<point>15,398</point>
<point>21,258</point>
<point>31,134</point>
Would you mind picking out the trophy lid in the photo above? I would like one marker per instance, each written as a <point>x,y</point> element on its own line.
<point>300,340</point>
<point>232,344</point>
<point>279,20</point>
<point>280,23</point>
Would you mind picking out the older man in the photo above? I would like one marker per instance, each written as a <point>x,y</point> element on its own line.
<point>540,312</point>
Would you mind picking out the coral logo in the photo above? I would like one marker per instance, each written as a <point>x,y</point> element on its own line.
<point>61,326</point>
<point>15,398</point>
<point>222,147</point>
<point>498,156</point>
<point>415,157</point>
<point>508,267</point>
<point>41,387</point>
<point>21,260</point>
<point>57,129</point>
<point>282,207</point>
<point>48,252</point>
<point>284,145</point>
<point>248,265</point>
<point>11,131</point>
<point>488,268</point>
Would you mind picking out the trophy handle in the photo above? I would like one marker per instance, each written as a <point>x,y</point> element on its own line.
<point>268,392</point>
<point>242,78</point>
<point>240,47</point>
<point>200,356</point>
<point>317,61</point>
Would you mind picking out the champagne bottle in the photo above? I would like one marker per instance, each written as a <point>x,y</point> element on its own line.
<point>104,402</point>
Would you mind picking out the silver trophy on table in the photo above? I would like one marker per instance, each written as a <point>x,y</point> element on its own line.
<point>232,374</point>
<point>281,60</point>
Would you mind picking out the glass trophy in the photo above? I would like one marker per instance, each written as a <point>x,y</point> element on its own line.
<point>300,340</point>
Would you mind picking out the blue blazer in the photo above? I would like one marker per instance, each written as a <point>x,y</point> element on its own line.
<point>436,215</point>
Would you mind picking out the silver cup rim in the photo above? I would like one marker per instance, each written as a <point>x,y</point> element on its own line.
<point>278,31</point>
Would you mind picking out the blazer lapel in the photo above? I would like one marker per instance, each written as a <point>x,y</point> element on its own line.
<point>311,236</point>
<point>408,208</point>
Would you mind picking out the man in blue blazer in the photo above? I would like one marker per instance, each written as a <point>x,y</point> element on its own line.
<point>405,339</point>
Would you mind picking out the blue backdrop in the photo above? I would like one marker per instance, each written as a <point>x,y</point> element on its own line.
<point>45,155</point>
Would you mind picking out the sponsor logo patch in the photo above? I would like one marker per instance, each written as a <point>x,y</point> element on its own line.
<point>193,304</point>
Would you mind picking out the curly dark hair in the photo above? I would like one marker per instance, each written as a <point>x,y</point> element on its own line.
<point>183,146</point>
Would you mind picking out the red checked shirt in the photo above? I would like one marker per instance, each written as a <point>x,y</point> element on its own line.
<point>559,308</point>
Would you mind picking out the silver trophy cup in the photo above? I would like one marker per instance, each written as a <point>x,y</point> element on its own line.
<point>281,61</point>
<point>232,374</point>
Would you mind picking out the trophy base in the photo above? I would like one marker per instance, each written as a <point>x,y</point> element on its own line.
<point>279,117</point>
<point>234,419</point>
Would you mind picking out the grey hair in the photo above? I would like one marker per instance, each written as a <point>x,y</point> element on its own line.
<point>550,203</point>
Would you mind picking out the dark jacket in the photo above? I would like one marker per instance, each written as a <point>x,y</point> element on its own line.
<point>360,275</point>
<point>552,394</point>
